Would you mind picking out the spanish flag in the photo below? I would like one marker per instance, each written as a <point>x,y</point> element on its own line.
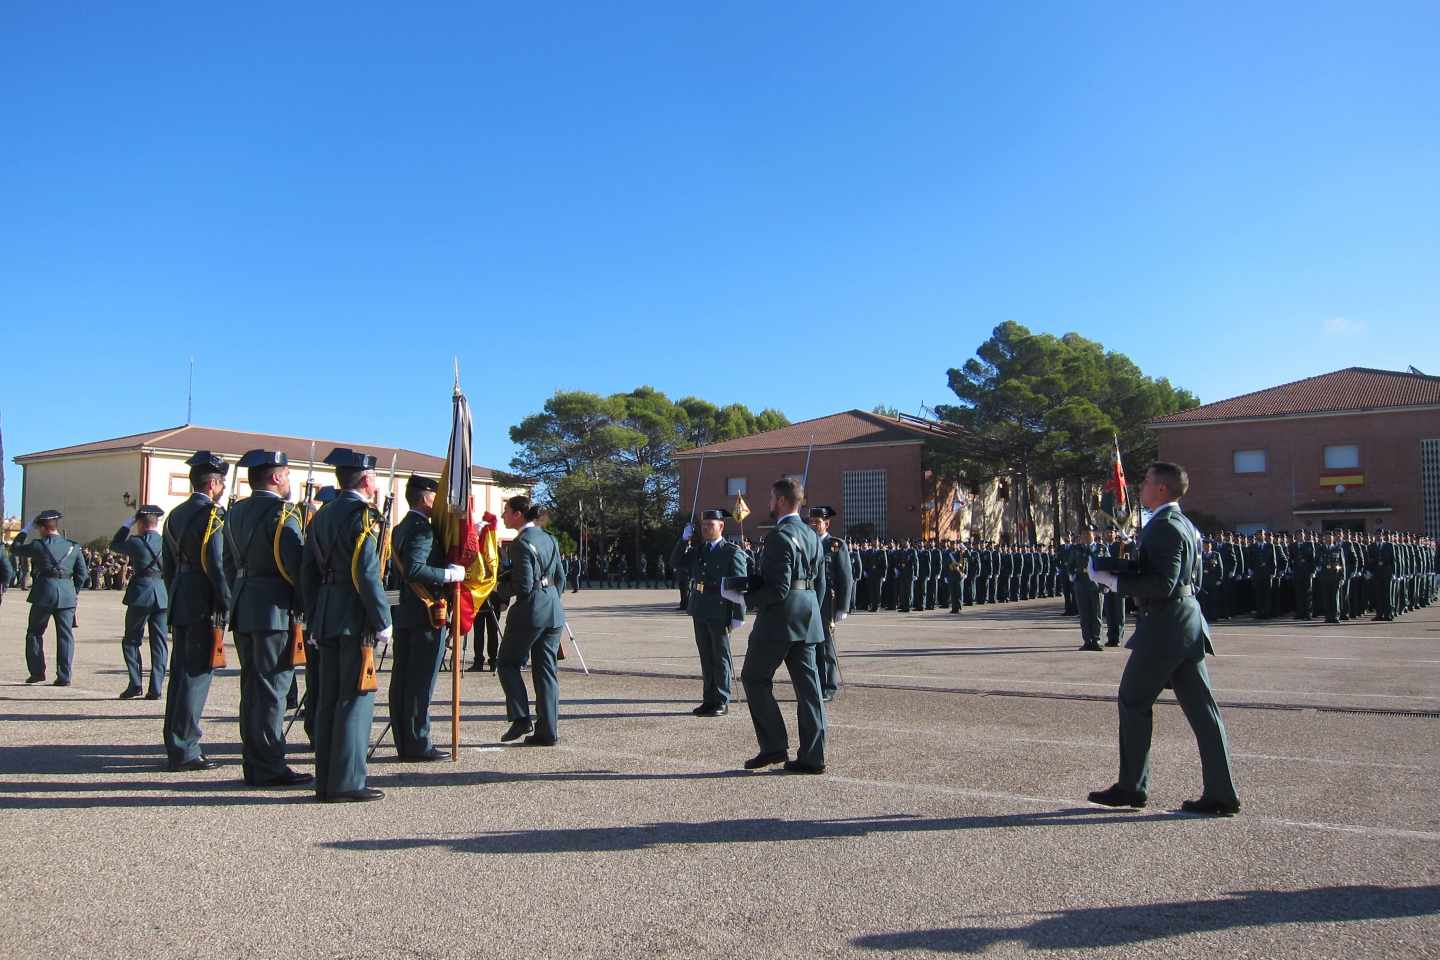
<point>472,546</point>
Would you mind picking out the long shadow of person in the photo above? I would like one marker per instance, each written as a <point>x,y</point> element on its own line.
<point>1095,928</point>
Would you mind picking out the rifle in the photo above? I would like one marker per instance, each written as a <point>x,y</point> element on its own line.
<point>295,655</point>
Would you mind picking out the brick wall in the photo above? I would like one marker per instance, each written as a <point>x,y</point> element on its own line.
<point>1389,460</point>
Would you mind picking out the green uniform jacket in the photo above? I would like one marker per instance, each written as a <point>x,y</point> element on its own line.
<point>55,564</point>
<point>533,582</point>
<point>263,594</point>
<point>194,567</point>
<point>784,614</point>
<point>1170,622</point>
<point>341,586</point>
<point>7,569</point>
<point>705,566</point>
<point>837,585</point>
<point>420,561</point>
<point>146,589</point>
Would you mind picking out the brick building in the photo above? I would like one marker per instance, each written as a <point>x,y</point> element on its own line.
<point>869,467</point>
<point>1357,449</point>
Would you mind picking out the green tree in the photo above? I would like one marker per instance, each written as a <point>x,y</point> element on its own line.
<point>1046,408</point>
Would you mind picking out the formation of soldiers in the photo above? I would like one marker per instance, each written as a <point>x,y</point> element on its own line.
<point>911,575</point>
<point>1338,575</point>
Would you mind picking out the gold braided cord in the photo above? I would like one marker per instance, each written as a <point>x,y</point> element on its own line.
<point>367,530</point>
<point>286,512</point>
<point>213,523</point>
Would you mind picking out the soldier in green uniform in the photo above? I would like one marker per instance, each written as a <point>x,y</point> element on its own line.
<point>1087,595</point>
<point>1168,649</point>
<point>787,630</point>
<point>347,612</point>
<point>146,599</point>
<point>193,562</point>
<point>834,591</point>
<point>264,547</point>
<point>707,563</point>
<point>1302,569</point>
<point>1331,578</point>
<point>57,563</point>
<point>1113,604</point>
<point>419,643</point>
<point>956,568</point>
<point>532,627</point>
<point>7,569</point>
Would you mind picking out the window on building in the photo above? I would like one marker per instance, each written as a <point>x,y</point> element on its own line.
<point>179,485</point>
<point>864,501</point>
<point>1342,456</point>
<point>735,487</point>
<point>1249,461</point>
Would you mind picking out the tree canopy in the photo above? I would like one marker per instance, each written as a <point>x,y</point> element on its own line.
<point>610,460</point>
<point>1047,407</point>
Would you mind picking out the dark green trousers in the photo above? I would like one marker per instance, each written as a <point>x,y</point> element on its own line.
<point>712,641</point>
<point>758,676</point>
<point>40,618</point>
<point>415,665</point>
<point>186,691</point>
<point>264,682</point>
<point>1087,601</point>
<point>1145,676</point>
<point>136,622</point>
<point>343,717</point>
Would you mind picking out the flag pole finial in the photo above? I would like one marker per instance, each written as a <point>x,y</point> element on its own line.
<point>456,361</point>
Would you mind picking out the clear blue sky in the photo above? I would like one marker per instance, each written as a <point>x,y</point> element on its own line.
<point>323,202</point>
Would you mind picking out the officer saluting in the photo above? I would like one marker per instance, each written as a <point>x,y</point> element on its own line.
<point>420,625</point>
<point>714,617</point>
<point>146,599</point>
<point>834,590</point>
<point>264,546</point>
<point>787,630</point>
<point>57,563</point>
<point>347,612</point>
<point>194,567</point>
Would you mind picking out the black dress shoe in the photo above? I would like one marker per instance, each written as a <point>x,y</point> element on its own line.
<point>61,683</point>
<point>129,693</point>
<point>1118,796</point>
<point>1090,646</point>
<point>35,678</point>
<point>1212,808</point>
<point>356,796</point>
<point>429,756</point>
<point>517,730</point>
<point>700,710</point>
<point>477,667</point>
<point>718,710</point>
<point>765,760</point>
<point>1112,643</point>
<point>190,766</point>
<point>290,778</point>
<point>152,696</point>
<point>795,766</point>
<point>536,741</point>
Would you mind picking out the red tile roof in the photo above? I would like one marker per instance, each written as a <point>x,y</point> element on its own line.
<point>837,430</point>
<point>233,443</point>
<point>1343,391</point>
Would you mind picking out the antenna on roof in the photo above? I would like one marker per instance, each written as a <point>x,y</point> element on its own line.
<point>190,394</point>
<point>1416,370</point>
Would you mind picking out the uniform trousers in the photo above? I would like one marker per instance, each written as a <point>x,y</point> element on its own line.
<point>40,618</point>
<point>136,622</point>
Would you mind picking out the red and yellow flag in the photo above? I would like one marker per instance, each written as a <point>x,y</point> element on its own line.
<point>472,546</point>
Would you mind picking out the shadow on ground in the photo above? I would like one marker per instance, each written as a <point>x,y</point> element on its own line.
<point>1095,928</point>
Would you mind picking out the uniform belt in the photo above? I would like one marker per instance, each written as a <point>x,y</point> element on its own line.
<point>799,584</point>
<point>544,581</point>
<point>55,575</point>
<point>146,576</point>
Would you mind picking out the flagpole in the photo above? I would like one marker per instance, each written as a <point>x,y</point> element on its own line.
<point>455,617</point>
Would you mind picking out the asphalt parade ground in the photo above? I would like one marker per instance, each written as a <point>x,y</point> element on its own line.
<point>952,819</point>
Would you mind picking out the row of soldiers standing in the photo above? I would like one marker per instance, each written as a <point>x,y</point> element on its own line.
<point>1340,575</point>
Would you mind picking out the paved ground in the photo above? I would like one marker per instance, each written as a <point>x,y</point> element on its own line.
<point>952,820</point>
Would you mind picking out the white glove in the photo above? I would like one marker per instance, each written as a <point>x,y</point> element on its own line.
<point>734,596</point>
<point>840,616</point>
<point>735,625</point>
<point>1104,578</point>
<point>454,573</point>
<point>688,532</point>
<point>127,522</point>
<point>382,637</point>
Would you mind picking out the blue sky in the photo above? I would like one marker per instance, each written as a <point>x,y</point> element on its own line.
<point>323,202</point>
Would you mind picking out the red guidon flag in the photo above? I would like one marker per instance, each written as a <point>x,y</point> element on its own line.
<point>1116,483</point>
